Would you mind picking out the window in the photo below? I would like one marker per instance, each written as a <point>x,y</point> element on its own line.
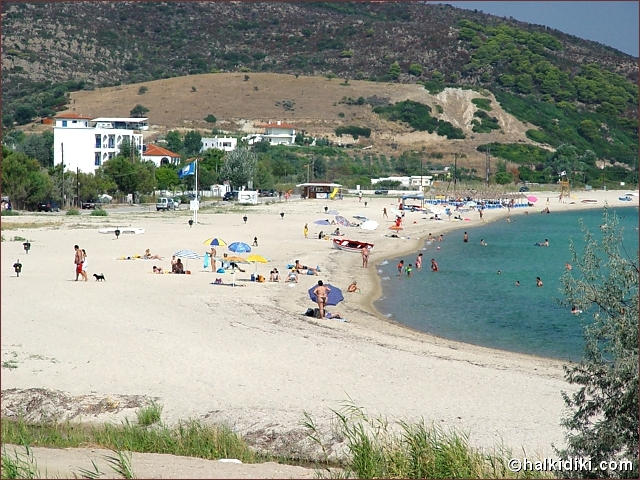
<point>64,123</point>
<point>112,141</point>
<point>97,159</point>
<point>98,141</point>
<point>111,154</point>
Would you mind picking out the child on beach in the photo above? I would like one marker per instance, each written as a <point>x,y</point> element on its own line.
<point>306,231</point>
<point>400,266</point>
<point>409,269</point>
<point>434,265</point>
<point>419,262</point>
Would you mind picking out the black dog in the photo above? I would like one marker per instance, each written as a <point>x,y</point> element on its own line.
<point>99,276</point>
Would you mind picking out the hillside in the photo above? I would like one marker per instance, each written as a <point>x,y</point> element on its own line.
<point>313,104</point>
<point>109,43</point>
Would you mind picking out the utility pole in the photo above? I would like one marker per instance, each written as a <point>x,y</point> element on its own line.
<point>488,164</point>
<point>455,171</point>
<point>62,149</point>
<point>78,186</point>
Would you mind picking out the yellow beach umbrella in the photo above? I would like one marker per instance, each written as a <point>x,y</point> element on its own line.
<point>215,242</point>
<point>255,259</point>
<point>236,259</point>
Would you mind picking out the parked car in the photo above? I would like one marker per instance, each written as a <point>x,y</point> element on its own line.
<point>165,204</point>
<point>229,196</point>
<point>523,189</point>
<point>268,193</point>
<point>48,206</point>
<point>88,205</point>
<point>176,203</point>
<point>381,192</point>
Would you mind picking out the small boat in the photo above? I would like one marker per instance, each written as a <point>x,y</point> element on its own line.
<point>350,245</point>
<point>625,199</point>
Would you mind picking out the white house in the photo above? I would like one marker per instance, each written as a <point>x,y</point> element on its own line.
<point>160,156</point>
<point>278,133</point>
<point>85,144</point>
<point>226,144</point>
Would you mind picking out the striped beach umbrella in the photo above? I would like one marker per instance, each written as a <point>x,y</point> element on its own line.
<point>215,242</point>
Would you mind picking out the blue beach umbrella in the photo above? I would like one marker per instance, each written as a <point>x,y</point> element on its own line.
<point>239,247</point>
<point>322,222</point>
<point>335,294</point>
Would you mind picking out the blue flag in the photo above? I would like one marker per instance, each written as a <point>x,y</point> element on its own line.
<point>187,170</point>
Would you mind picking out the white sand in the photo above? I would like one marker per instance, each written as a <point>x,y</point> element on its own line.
<point>246,355</point>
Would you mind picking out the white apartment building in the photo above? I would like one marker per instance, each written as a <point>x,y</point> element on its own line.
<point>226,144</point>
<point>85,144</point>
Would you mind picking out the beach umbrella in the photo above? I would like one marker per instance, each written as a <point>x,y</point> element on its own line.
<point>395,227</point>
<point>215,242</point>
<point>187,254</point>
<point>322,222</point>
<point>369,225</point>
<point>360,217</point>
<point>335,294</point>
<point>342,221</point>
<point>532,198</point>
<point>239,247</point>
<point>332,212</point>
<point>256,259</point>
<point>235,259</point>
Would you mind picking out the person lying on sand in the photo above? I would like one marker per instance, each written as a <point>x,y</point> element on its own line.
<point>353,287</point>
<point>274,275</point>
<point>298,267</point>
<point>147,255</point>
<point>292,276</point>
<point>157,269</point>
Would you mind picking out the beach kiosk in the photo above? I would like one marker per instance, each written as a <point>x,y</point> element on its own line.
<point>248,196</point>
<point>319,190</point>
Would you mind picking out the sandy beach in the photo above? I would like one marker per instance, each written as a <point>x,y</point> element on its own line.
<point>246,355</point>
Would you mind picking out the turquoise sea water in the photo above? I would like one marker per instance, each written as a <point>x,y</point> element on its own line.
<point>467,300</point>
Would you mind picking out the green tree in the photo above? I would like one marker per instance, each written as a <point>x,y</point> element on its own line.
<point>415,69</point>
<point>192,142</point>
<point>138,111</point>
<point>127,151</point>
<point>166,178</point>
<point>24,114</point>
<point>239,167</point>
<point>263,178</point>
<point>603,423</point>
<point>130,176</point>
<point>174,141</point>
<point>39,147</point>
<point>394,70</point>
<point>24,180</point>
<point>210,118</point>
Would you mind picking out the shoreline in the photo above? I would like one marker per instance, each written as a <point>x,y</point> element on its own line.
<point>368,302</point>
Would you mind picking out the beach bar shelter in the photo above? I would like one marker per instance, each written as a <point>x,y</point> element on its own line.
<point>319,190</point>
<point>418,196</point>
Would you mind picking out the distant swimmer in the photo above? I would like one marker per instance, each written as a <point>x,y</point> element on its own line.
<point>465,239</point>
<point>575,310</point>
<point>499,272</point>
<point>482,242</point>
<point>434,265</point>
<point>517,284</point>
<point>568,266</point>
<point>538,282</point>
<point>419,262</point>
<point>542,244</point>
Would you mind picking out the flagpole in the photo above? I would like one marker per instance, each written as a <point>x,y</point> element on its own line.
<point>195,212</point>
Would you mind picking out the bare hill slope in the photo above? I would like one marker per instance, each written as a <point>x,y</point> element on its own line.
<point>242,101</point>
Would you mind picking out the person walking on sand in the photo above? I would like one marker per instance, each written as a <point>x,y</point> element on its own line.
<point>78,261</point>
<point>84,265</point>
<point>306,230</point>
<point>384,213</point>
<point>322,294</point>
<point>419,262</point>
<point>365,257</point>
<point>360,196</point>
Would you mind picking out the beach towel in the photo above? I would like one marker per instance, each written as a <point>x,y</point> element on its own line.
<point>206,261</point>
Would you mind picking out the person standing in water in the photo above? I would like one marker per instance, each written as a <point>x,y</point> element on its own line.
<point>419,262</point>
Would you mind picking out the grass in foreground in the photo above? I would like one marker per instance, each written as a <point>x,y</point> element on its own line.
<point>187,438</point>
<point>377,449</point>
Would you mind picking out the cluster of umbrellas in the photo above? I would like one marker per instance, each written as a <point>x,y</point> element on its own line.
<point>235,247</point>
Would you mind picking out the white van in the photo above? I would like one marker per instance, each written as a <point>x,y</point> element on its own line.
<point>165,203</point>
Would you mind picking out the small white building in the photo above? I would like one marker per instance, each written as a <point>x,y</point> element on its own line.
<point>85,144</point>
<point>160,156</point>
<point>278,133</point>
<point>412,181</point>
<point>226,144</point>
